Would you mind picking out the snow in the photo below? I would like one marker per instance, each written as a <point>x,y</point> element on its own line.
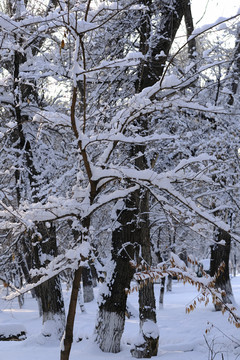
<point>150,329</point>
<point>170,81</point>
<point>83,26</point>
<point>182,336</point>
<point>207,27</point>
<point>205,263</point>
<point>6,23</point>
<point>11,329</point>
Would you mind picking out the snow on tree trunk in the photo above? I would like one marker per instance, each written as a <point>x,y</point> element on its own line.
<point>110,326</point>
<point>53,314</point>
<point>112,305</point>
<point>49,293</point>
<point>146,345</point>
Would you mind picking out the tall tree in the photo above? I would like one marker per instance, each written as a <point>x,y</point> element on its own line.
<point>155,46</point>
<point>220,251</point>
<point>41,239</point>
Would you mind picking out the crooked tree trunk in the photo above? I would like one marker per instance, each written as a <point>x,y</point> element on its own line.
<point>88,295</point>
<point>67,339</point>
<point>112,308</point>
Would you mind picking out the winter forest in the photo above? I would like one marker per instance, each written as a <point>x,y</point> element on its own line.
<point>120,155</point>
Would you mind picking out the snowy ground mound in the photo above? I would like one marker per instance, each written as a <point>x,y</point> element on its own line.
<point>10,332</point>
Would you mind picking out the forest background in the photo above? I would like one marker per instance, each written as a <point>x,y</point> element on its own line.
<point>119,158</point>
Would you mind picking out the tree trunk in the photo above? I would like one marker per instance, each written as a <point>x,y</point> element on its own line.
<point>147,343</point>
<point>43,242</point>
<point>111,315</point>
<point>192,46</point>
<point>88,295</point>
<point>149,73</point>
<point>80,300</point>
<point>112,308</point>
<point>235,265</point>
<point>236,69</point>
<point>162,280</point>
<point>49,293</point>
<point>220,253</point>
<point>94,275</point>
<point>220,256</point>
<point>67,339</point>
<point>169,283</point>
<point>159,46</point>
<point>162,291</point>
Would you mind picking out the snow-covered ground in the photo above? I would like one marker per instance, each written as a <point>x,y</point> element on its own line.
<point>182,336</point>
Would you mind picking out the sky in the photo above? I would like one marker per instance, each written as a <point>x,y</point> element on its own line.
<point>207,11</point>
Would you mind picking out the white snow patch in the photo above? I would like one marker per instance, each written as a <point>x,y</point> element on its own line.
<point>150,329</point>
<point>170,81</point>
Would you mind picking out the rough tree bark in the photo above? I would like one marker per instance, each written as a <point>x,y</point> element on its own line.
<point>112,308</point>
<point>219,266</point>
<point>49,293</point>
